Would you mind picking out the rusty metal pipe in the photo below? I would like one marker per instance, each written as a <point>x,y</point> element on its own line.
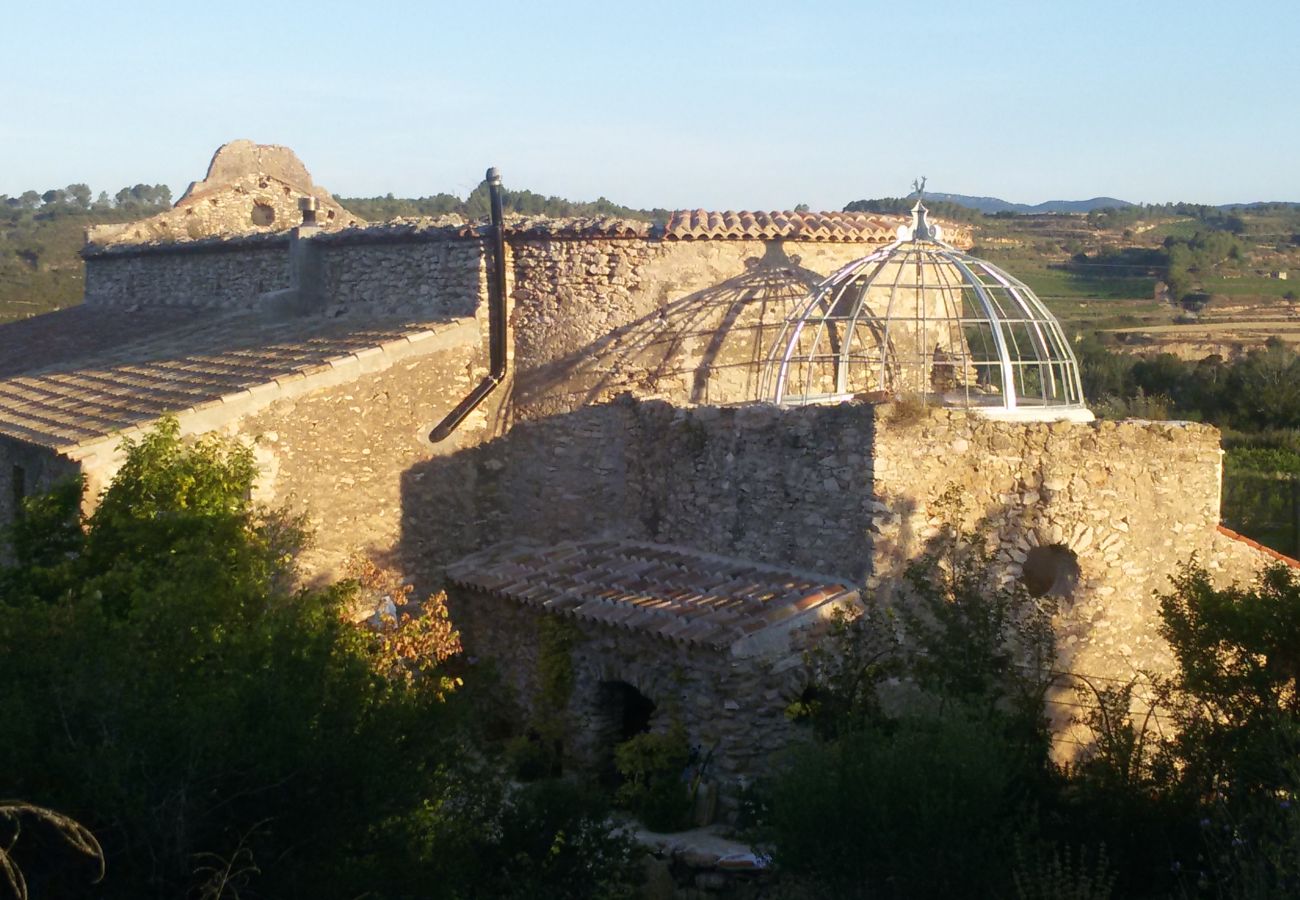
<point>497,325</point>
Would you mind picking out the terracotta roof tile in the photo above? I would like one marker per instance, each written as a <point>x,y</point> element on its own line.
<point>83,373</point>
<point>699,224</point>
<point>1256,545</point>
<point>675,593</point>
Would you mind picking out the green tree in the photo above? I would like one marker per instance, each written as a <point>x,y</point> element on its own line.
<point>164,682</point>
<point>1238,654</point>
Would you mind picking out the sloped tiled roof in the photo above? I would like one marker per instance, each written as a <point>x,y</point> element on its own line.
<point>671,592</point>
<point>696,225</point>
<point>85,373</point>
<point>1256,545</point>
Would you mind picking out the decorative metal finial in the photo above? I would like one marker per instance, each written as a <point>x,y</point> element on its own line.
<point>921,230</point>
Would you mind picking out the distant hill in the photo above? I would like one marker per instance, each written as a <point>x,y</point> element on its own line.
<point>992,205</point>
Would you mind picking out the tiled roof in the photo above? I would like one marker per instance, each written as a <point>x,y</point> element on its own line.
<point>81,374</point>
<point>1256,545</point>
<point>696,225</point>
<point>674,593</point>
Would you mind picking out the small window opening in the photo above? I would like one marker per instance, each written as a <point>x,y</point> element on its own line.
<point>263,215</point>
<point>1051,571</point>
<point>622,712</point>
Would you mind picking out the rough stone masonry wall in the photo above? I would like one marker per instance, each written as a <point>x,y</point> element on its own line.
<point>691,321</point>
<point>422,280</point>
<point>224,274</point>
<point>1132,500</point>
<point>340,455</point>
<point>734,707</point>
<point>591,317</point>
<point>789,487</point>
<point>855,491</point>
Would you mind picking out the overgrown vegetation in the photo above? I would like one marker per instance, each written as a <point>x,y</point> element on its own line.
<point>931,777</point>
<point>224,733</point>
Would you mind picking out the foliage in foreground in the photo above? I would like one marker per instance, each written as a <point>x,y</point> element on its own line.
<point>958,797</point>
<point>223,732</point>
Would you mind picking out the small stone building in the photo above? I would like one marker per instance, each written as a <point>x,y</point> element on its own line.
<point>663,633</point>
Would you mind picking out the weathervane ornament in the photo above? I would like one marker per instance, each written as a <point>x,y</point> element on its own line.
<point>921,229</point>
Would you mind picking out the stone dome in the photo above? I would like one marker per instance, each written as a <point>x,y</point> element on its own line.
<point>920,317</point>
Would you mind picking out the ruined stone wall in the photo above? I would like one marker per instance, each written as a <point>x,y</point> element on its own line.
<point>423,280</point>
<point>227,274</point>
<point>734,707</point>
<point>787,487</point>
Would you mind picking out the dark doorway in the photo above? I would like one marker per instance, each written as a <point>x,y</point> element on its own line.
<point>622,712</point>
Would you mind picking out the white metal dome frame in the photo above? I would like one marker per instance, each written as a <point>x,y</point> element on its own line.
<point>921,317</point>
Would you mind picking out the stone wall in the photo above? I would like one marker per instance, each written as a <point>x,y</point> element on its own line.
<point>591,317</point>
<point>338,455</point>
<point>422,280</point>
<point>1132,501</point>
<point>249,189</point>
<point>25,470</point>
<point>855,491</point>
<point>228,274</point>
<point>789,487</point>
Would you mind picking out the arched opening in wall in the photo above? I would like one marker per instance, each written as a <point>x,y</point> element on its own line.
<point>1050,571</point>
<point>621,712</point>
<point>263,215</point>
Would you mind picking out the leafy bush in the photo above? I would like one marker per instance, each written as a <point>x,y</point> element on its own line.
<point>926,803</point>
<point>653,765</point>
<point>1053,874</point>
<point>926,808</point>
<point>163,682</point>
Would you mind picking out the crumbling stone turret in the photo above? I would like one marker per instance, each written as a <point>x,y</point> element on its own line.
<point>250,188</point>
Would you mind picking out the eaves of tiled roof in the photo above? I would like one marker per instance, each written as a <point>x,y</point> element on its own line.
<point>698,225</point>
<point>692,225</point>
<point>71,379</point>
<point>674,593</point>
<point>1257,546</point>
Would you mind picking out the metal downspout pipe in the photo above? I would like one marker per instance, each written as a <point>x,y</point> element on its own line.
<point>496,320</point>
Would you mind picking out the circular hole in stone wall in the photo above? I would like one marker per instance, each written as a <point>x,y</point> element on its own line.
<point>1051,571</point>
<point>263,215</point>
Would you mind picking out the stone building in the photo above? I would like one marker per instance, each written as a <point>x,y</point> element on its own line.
<point>631,455</point>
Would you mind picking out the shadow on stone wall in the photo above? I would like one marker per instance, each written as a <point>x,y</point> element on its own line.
<point>792,487</point>
<point>706,347</point>
<point>787,487</point>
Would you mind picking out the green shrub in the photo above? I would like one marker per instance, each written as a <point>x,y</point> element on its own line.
<point>928,808</point>
<point>1054,874</point>
<point>163,682</point>
<point>652,766</point>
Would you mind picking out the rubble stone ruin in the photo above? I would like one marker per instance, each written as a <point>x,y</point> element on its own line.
<point>697,453</point>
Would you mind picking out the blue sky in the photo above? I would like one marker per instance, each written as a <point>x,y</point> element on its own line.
<point>704,104</point>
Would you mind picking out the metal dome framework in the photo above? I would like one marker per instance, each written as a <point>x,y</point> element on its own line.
<point>921,317</point>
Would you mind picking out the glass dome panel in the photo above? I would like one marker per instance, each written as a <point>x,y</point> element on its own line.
<point>921,317</point>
